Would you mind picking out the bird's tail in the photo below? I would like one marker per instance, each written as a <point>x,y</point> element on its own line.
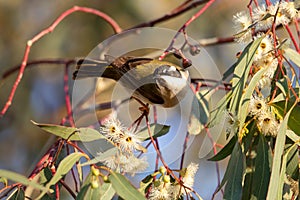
<point>90,68</point>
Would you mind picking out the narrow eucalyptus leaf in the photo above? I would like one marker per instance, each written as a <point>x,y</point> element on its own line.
<point>293,121</point>
<point>64,167</point>
<point>233,187</point>
<point>101,156</point>
<point>124,188</point>
<point>262,170</point>
<point>225,151</point>
<point>157,130</point>
<point>22,179</point>
<point>106,191</point>
<point>293,55</point>
<point>276,165</point>
<point>241,72</point>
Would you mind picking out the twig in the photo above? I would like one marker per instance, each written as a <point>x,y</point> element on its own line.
<point>9,188</point>
<point>185,25</point>
<point>72,171</point>
<point>176,12</point>
<point>44,32</point>
<point>158,152</point>
<point>45,160</point>
<point>184,149</point>
<point>67,188</point>
<point>33,63</point>
<point>298,31</point>
<point>67,96</point>
<point>216,41</point>
<point>215,152</point>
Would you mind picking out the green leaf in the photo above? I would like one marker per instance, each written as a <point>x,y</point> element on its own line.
<point>61,131</point>
<point>217,113</point>
<point>145,184</point>
<point>276,165</point>
<point>87,135</point>
<point>293,121</point>
<point>124,188</point>
<point>236,167</point>
<point>106,191</point>
<point>262,172</point>
<point>84,187</point>
<point>79,171</point>
<point>157,130</point>
<point>243,110</point>
<point>292,149</point>
<point>45,176</point>
<point>93,193</point>
<point>4,181</point>
<point>225,151</point>
<point>64,167</point>
<point>18,194</point>
<point>199,113</point>
<point>293,55</point>
<point>101,156</point>
<point>22,179</point>
<point>279,97</point>
<point>82,193</point>
<point>74,134</point>
<point>283,85</point>
<point>293,136</point>
<point>241,72</point>
<point>292,161</point>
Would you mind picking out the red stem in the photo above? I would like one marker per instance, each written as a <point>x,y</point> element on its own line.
<point>184,148</point>
<point>67,96</point>
<point>186,24</point>
<point>72,171</point>
<point>215,152</point>
<point>298,30</point>
<point>158,152</point>
<point>174,13</point>
<point>292,38</point>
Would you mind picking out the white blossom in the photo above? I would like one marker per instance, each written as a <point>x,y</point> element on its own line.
<point>112,129</point>
<point>265,48</point>
<point>262,18</point>
<point>126,163</point>
<point>267,124</point>
<point>257,105</point>
<point>242,22</point>
<point>231,123</point>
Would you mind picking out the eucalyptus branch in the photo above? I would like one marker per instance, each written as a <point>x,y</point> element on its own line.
<point>46,31</point>
<point>186,6</point>
<point>184,26</point>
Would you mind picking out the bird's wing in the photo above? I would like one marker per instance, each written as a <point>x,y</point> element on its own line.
<point>89,68</point>
<point>149,92</point>
<point>105,68</point>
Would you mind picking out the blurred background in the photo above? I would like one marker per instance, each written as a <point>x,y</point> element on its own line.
<point>40,96</point>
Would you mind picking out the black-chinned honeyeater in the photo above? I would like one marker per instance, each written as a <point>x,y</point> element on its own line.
<point>153,81</point>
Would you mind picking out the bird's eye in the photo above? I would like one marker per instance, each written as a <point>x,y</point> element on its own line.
<point>167,70</point>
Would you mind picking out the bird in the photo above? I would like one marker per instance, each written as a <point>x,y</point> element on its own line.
<point>154,81</point>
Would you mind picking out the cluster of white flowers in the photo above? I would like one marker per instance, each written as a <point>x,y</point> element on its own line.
<point>257,26</point>
<point>231,122</point>
<point>266,120</point>
<point>163,189</point>
<point>249,29</point>
<point>127,142</point>
<point>264,58</point>
<point>263,18</point>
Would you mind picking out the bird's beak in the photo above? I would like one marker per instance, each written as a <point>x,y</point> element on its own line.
<point>186,63</point>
